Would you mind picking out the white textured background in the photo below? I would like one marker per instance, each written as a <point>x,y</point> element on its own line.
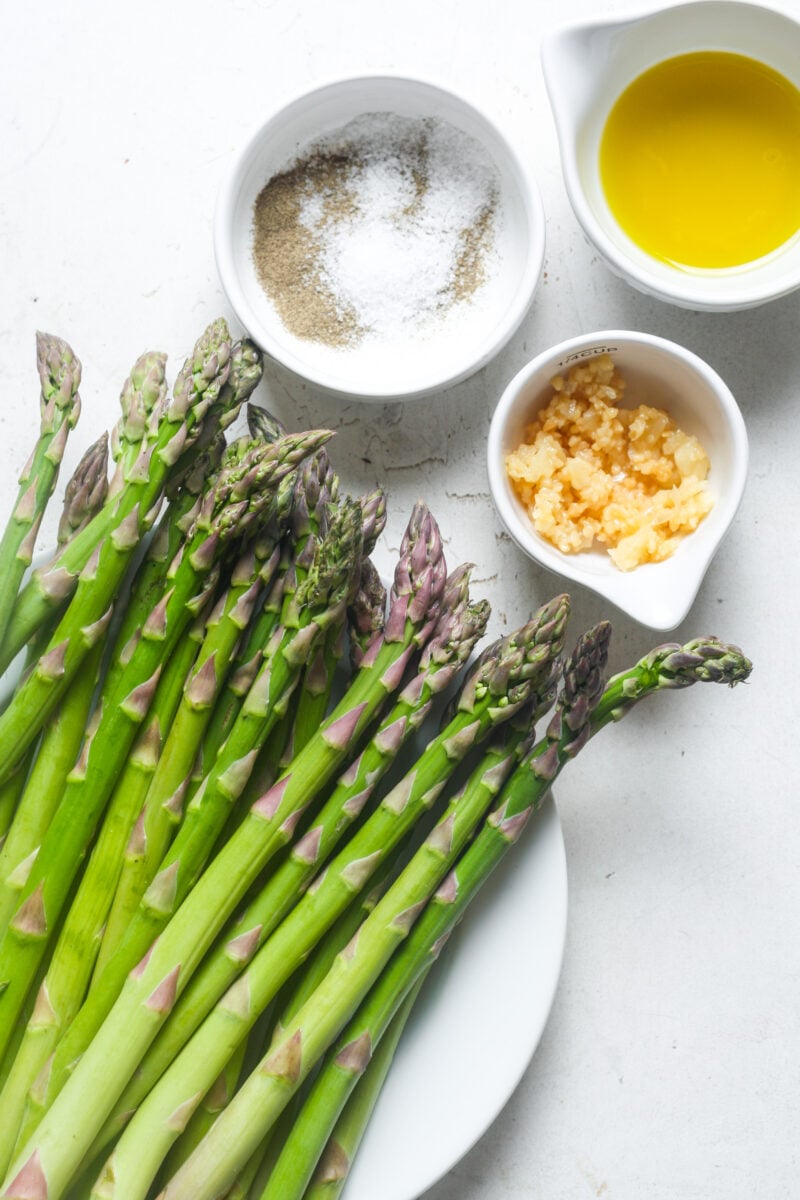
<point>669,1068</point>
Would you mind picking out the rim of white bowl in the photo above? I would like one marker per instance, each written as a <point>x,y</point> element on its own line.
<point>504,330</point>
<point>652,283</point>
<point>562,564</point>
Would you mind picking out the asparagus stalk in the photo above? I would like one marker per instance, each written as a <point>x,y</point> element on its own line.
<point>50,587</point>
<point>292,1054</point>
<point>299,1045</point>
<point>245,370</point>
<point>584,708</point>
<point>306,615</point>
<point>162,808</point>
<point>319,676</point>
<point>215,1100</point>
<point>107,1063</point>
<point>194,469</point>
<point>316,689</point>
<point>89,611</point>
<point>311,705</point>
<point>150,581</point>
<point>225,511</point>
<point>373,508</point>
<point>11,791</point>
<point>313,971</point>
<point>59,749</point>
<point>84,495</point>
<point>142,393</point>
<point>349,1058</point>
<point>86,492</point>
<point>334,1166</point>
<point>162,439</point>
<point>262,424</point>
<point>258,1169</point>
<point>70,967</point>
<point>315,488</point>
<point>523,663</point>
<point>59,406</point>
<point>304,619</point>
<point>367,611</point>
<point>458,628</point>
<point>245,665</point>
<point>326,1177</point>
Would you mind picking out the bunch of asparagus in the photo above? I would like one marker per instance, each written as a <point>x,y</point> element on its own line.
<point>219,891</point>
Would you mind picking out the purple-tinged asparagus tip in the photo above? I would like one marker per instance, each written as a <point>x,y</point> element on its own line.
<point>373,509</point>
<point>86,491</point>
<point>263,425</point>
<point>60,376</point>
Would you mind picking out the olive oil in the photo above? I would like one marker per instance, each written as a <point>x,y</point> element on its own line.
<point>700,160</point>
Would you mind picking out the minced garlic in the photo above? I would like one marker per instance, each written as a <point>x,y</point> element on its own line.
<point>591,471</point>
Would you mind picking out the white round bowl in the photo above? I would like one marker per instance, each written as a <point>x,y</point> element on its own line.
<point>369,373</point>
<point>656,372</point>
<point>587,67</point>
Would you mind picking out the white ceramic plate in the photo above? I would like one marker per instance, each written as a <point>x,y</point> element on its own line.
<point>475,1026</point>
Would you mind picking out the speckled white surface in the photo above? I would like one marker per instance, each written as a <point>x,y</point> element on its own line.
<point>668,1069</point>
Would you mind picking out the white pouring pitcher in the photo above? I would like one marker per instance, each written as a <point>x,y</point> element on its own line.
<point>588,66</point>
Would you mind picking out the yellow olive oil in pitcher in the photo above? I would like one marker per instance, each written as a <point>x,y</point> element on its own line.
<point>700,160</point>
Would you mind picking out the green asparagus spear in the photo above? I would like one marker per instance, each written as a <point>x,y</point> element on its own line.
<point>349,1058</point>
<point>218,1096</point>
<point>314,489</point>
<point>100,553</point>
<point>245,665</point>
<point>50,587</point>
<point>83,496</point>
<point>312,972</point>
<point>306,614</point>
<point>150,581</point>
<point>458,628</point>
<point>11,792</point>
<point>245,370</point>
<point>334,1166</point>
<point>86,492</point>
<point>290,1057</point>
<point>290,1000</point>
<point>328,1176</point>
<point>304,618</point>
<point>150,992</point>
<point>584,708</point>
<point>367,611</point>
<point>304,1039</point>
<point>233,502</point>
<point>523,663</point>
<point>373,508</point>
<point>89,611</point>
<point>60,376</point>
<point>162,809</point>
<point>163,806</point>
<point>318,679</point>
<point>70,966</point>
<point>262,424</point>
<point>61,743</point>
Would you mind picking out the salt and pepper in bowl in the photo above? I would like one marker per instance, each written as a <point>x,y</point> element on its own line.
<point>380,237</point>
